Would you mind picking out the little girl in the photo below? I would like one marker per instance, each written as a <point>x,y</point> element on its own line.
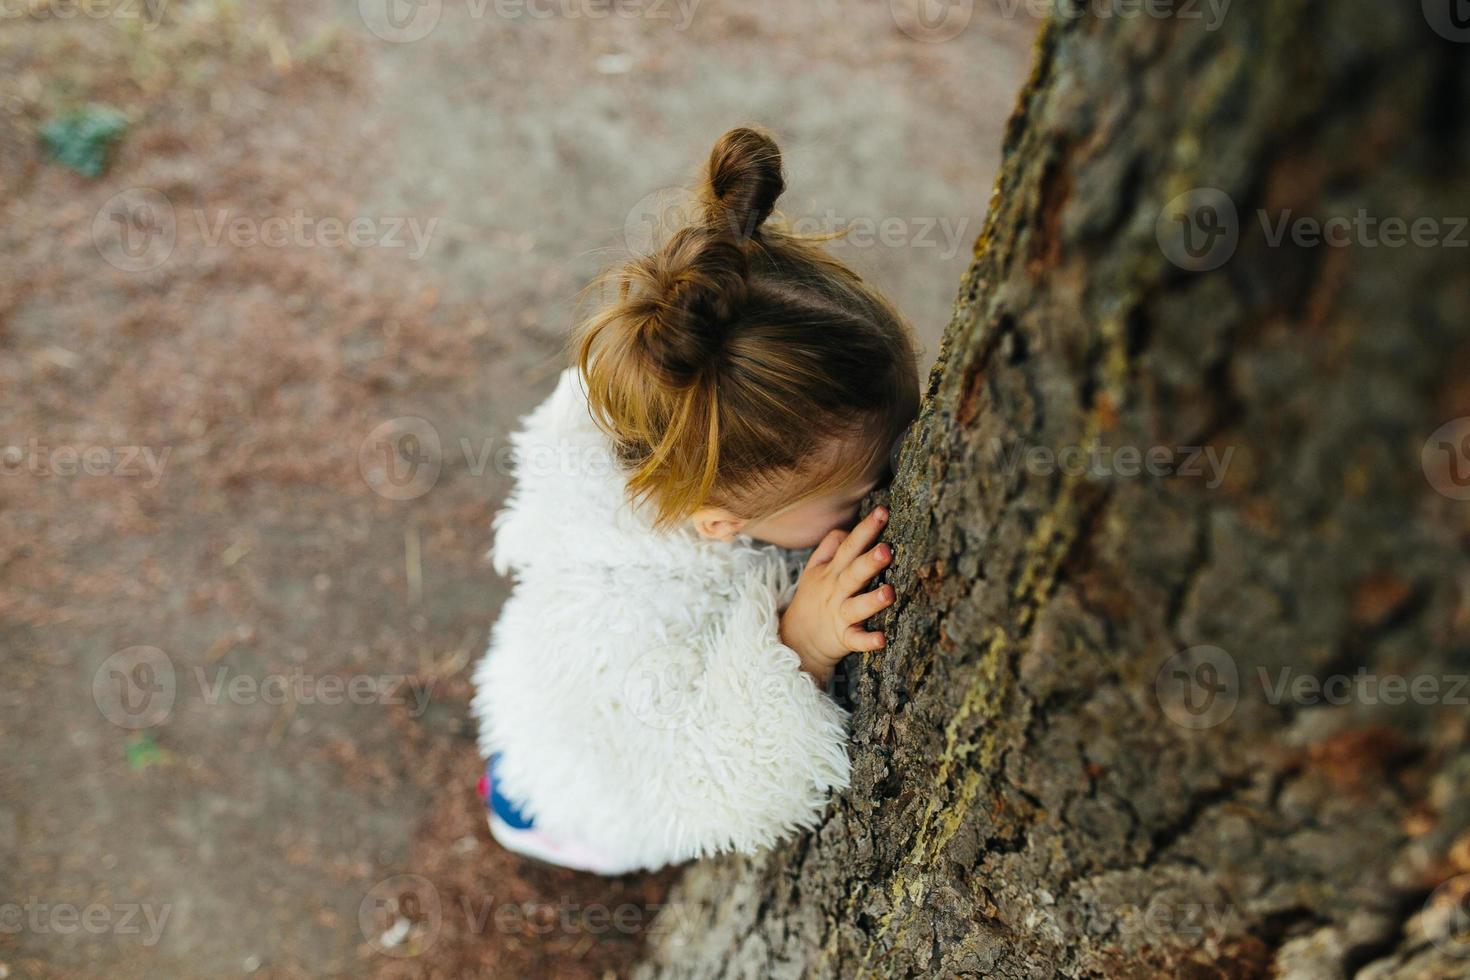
<point>654,689</point>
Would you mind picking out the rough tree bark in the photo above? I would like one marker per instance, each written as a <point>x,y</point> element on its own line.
<point>1022,803</point>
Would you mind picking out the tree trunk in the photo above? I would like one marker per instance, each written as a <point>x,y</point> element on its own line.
<point>1096,745</point>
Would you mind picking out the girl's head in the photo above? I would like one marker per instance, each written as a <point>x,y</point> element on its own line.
<point>750,382</point>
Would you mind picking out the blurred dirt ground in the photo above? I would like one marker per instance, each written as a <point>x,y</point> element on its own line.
<point>226,508</point>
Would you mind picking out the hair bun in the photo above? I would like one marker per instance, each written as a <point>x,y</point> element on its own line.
<point>744,181</point>
<point>696,288</point>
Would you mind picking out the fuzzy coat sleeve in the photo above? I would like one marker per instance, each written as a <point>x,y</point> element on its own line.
<point>654,739</point>
<point>639,697</point>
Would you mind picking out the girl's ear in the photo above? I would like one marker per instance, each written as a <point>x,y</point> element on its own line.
<point>717,523</point>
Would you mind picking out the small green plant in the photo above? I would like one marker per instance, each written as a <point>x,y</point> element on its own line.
<point>81,138</point>
<point>141,751</point>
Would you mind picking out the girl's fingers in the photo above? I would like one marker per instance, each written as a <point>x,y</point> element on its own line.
<point>859,640</point>
<point>861,607</point>
<point>862,536</point>
<point>826,548</point>
<point>865,567</point>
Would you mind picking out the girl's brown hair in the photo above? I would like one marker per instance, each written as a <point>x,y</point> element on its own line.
<point>740,365</point>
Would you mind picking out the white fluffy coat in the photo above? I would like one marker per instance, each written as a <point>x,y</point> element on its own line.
<point>635,686</point>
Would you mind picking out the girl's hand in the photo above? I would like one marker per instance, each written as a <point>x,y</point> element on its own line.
<point>823,624</point>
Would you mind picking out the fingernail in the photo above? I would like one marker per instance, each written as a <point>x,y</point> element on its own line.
<point>882,513</point>
<point>888,593</point>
